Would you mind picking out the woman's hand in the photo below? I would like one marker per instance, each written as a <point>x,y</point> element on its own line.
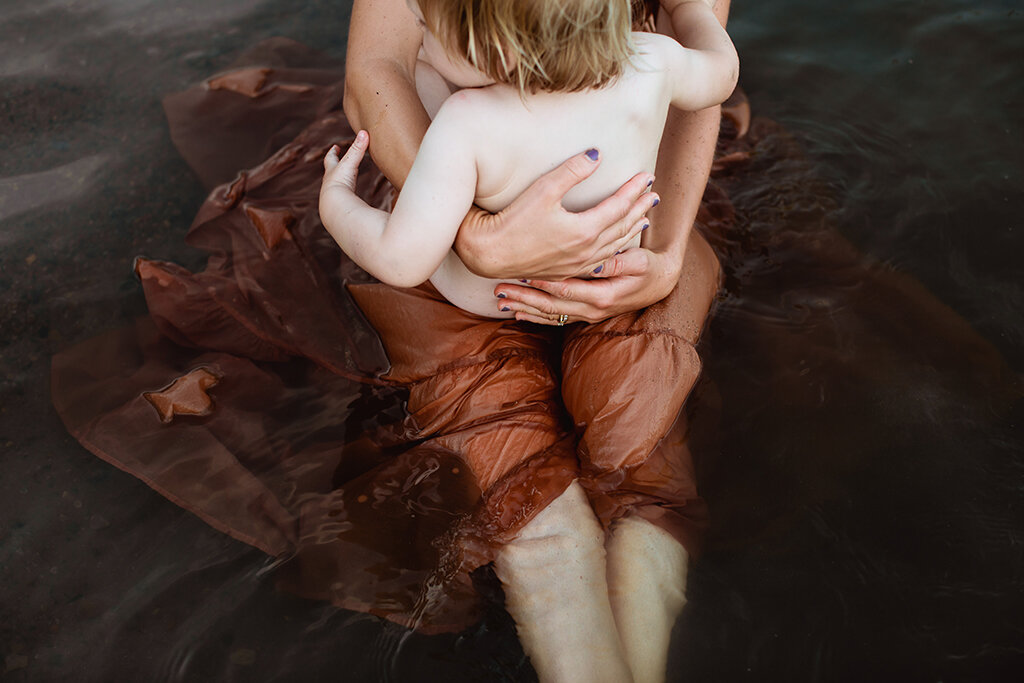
<point>535,237</point>
<point>629,281</point>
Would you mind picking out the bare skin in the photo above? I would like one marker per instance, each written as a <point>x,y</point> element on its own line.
<point>639,277</point>
<point>633,583</point>
<point>488,142</point>
<point>381,97</point>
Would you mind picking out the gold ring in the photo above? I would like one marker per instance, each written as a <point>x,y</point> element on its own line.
<point>562,319</point>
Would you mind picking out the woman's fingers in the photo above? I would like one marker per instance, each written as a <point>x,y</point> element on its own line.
<point>540,319</point>
<point>584,298</point>
<point>609,266</point>
<point>537,305</point>
<point>555,297</point>
<point>616,208</point>
<point>617,237</point>
<point>535,235</point>
<point>619,212</point>
<point>569,173</point>
<point>641,277</point>
<point>614,222</point>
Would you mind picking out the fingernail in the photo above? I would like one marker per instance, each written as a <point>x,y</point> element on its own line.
<point>598,269</point>
<point>505,309</point>
<point>646,225</point>
<point>524,281</point>
<point>650,182</point>
<point>617,253</point>
<point>592,154</point>
<point>655,202</point>
<point>501,295</point>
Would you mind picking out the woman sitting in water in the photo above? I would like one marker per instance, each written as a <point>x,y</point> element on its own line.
<point>545,80</point>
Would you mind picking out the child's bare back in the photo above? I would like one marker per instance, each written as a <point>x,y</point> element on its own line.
<point>489,141</point>
<point>517,138</point>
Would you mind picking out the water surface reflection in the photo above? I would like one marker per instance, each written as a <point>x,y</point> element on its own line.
<point>864,463</point>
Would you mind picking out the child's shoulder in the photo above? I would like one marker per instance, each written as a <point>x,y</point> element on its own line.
<point>470,103</point>
<point>656,43</point>
<point>468,116</point>
<point>656,54</point>
<point>471,109</point>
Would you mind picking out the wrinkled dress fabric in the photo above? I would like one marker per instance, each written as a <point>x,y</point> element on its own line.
<point>259,396</point>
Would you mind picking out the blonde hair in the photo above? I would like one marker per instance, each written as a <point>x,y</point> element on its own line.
<point>551,45</point>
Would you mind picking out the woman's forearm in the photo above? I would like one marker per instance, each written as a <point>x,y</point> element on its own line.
<point>684,164</point>
<point>380,83</point>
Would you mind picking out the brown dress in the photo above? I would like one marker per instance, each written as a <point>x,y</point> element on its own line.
<point>257,395</point>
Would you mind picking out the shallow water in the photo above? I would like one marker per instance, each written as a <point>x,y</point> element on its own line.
<point>865,471</point>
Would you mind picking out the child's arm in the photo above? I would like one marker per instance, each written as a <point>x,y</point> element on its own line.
<point>404,248</point>
<point>703,64</point>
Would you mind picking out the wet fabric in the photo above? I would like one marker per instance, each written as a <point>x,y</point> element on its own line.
<point>499,393</point>
<point>258,396</point>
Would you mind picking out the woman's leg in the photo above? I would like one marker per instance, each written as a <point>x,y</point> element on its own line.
<point>647,588</point>
<point>557,592</point>
<point>635,463</point>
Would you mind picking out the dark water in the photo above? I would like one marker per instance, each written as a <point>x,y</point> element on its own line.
<point>865,469</point>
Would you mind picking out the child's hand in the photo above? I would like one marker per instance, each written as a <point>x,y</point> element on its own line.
<point>344,171</point>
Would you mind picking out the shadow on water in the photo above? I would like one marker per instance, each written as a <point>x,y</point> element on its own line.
<point>861,453</point>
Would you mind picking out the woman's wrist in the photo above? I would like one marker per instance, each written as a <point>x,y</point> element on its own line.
<point>665,269</point>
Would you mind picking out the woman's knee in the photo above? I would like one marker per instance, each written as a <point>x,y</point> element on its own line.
<point>564,533</point>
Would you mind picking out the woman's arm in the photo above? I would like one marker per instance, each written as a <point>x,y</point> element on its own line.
<point>640,277</point>
<point>380,83</point>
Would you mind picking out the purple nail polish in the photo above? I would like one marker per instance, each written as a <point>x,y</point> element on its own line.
<point>592,154</point>
<point>501,295</point>
<point>505,309</point>
<point>523,281</point>
<point>598,269</point>
<point>646,225</point>
<point>617,253</point>
<point>655,202</point>
<point>650,182</point>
